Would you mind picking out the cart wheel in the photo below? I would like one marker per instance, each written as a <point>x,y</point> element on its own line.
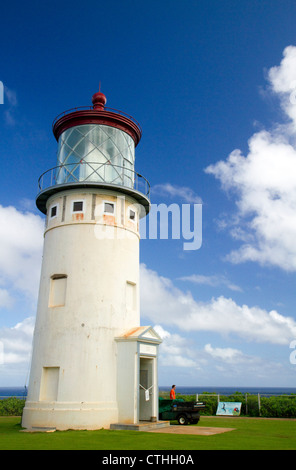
<point>182,419</point>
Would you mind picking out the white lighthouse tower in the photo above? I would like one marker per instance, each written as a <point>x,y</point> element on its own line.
<point>93,365</point>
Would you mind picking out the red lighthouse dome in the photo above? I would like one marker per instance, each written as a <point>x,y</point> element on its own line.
<point>96,149</point>
<point>99,100</point>
<point>97,114</point>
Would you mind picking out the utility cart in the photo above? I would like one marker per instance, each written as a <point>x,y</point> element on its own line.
<point>183,411</point>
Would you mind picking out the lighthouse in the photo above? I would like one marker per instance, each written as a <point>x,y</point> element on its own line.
<point>93,364</point>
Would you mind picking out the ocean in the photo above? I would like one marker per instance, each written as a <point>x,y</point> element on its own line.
<point>21,392</point>
<point>266,391</point>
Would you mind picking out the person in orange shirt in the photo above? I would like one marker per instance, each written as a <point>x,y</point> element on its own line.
<point>172,393</point>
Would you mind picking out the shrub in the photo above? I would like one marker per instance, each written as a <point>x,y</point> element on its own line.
<point>270,407</point>
<point>278,407</point>
<point>252,406</point>
<point>11,406</point>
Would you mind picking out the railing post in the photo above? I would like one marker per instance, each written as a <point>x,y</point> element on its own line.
<point>259,404</point>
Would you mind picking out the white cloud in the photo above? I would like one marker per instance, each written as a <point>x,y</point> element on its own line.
<point>264,183</point>
<point>173,191</point>
<point>171,306</point>
<point>174,350</point>
<point>283,81</point>
<point>188,358</point>
<point>213,281</point>
<point>17,342</point>
<point>229,355</point>
<point>21,241</point>
<point>11,98</point>
<point>6,300</point>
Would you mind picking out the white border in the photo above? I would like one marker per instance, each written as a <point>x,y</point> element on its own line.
<point>83,206</point>
<point>109,202</point>
<point>57,213</point>
<point>129,215</point>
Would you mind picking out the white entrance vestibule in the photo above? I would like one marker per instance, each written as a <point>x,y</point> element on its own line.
<point>137,383</point>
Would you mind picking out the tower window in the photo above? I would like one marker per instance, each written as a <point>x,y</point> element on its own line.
<point>132,215</point>
<point>109,207</point>
<point>53,212</point>
<point>57,293</point>
<point>49,384</point>
<point>78,206</point>
<point>131,296</point>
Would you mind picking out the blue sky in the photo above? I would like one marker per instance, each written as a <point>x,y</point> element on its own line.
<point>212,84</point>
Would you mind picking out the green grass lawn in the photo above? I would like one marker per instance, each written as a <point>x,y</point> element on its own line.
<point>249,434</point>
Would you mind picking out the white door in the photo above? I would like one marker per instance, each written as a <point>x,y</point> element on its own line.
<point>146,389</point>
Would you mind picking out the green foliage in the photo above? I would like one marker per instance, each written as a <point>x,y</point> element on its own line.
<point>279,407</point>
<point>11,406</point>
<point>271,407</point>
<point>252,406</point>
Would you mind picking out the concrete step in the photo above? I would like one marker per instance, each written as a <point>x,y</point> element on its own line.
<point>141,426</point>
<point>38,429</point>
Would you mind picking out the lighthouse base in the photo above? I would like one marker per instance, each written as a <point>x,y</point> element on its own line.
<point>64,416</point>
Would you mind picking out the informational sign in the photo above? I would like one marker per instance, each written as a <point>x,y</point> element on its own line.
<point>228,408</point>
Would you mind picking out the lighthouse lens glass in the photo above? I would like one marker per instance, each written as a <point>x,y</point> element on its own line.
<point>96,153</point>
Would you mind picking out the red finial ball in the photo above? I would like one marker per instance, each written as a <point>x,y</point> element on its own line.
<point>99,100</point>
